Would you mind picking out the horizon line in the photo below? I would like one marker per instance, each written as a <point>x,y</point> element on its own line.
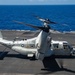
<point>37,4</point>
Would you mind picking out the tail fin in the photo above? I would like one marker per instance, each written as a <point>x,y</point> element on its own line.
<point>1,37</point>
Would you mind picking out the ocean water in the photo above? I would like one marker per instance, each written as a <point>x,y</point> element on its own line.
<point>64,15</point>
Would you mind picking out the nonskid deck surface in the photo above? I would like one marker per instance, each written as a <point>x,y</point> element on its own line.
<point>12,63</point>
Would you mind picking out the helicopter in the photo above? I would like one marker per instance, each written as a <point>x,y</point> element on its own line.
<point>40,46</point>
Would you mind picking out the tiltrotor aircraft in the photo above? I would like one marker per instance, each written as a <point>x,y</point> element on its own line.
<point>40,46</point>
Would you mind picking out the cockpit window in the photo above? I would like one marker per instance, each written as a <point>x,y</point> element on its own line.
<point>55,46</point>
<point>65,46</point>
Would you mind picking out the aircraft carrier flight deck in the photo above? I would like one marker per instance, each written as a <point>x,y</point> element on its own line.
<point>17,64</point>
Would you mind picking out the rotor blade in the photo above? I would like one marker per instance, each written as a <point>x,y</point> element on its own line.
<point>41,19</point>
<point>51,22</point>
<point>45,20</point>
<point>37,16</point>
<point>65,24</point>
<point>36,27</point>
<point>48,21</point>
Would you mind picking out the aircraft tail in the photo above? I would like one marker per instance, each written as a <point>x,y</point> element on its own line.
<point>1,37</point>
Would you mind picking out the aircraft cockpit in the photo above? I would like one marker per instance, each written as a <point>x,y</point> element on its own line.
<point>61,47</point>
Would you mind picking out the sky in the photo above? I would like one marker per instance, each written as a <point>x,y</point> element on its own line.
<point>37,2</point>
